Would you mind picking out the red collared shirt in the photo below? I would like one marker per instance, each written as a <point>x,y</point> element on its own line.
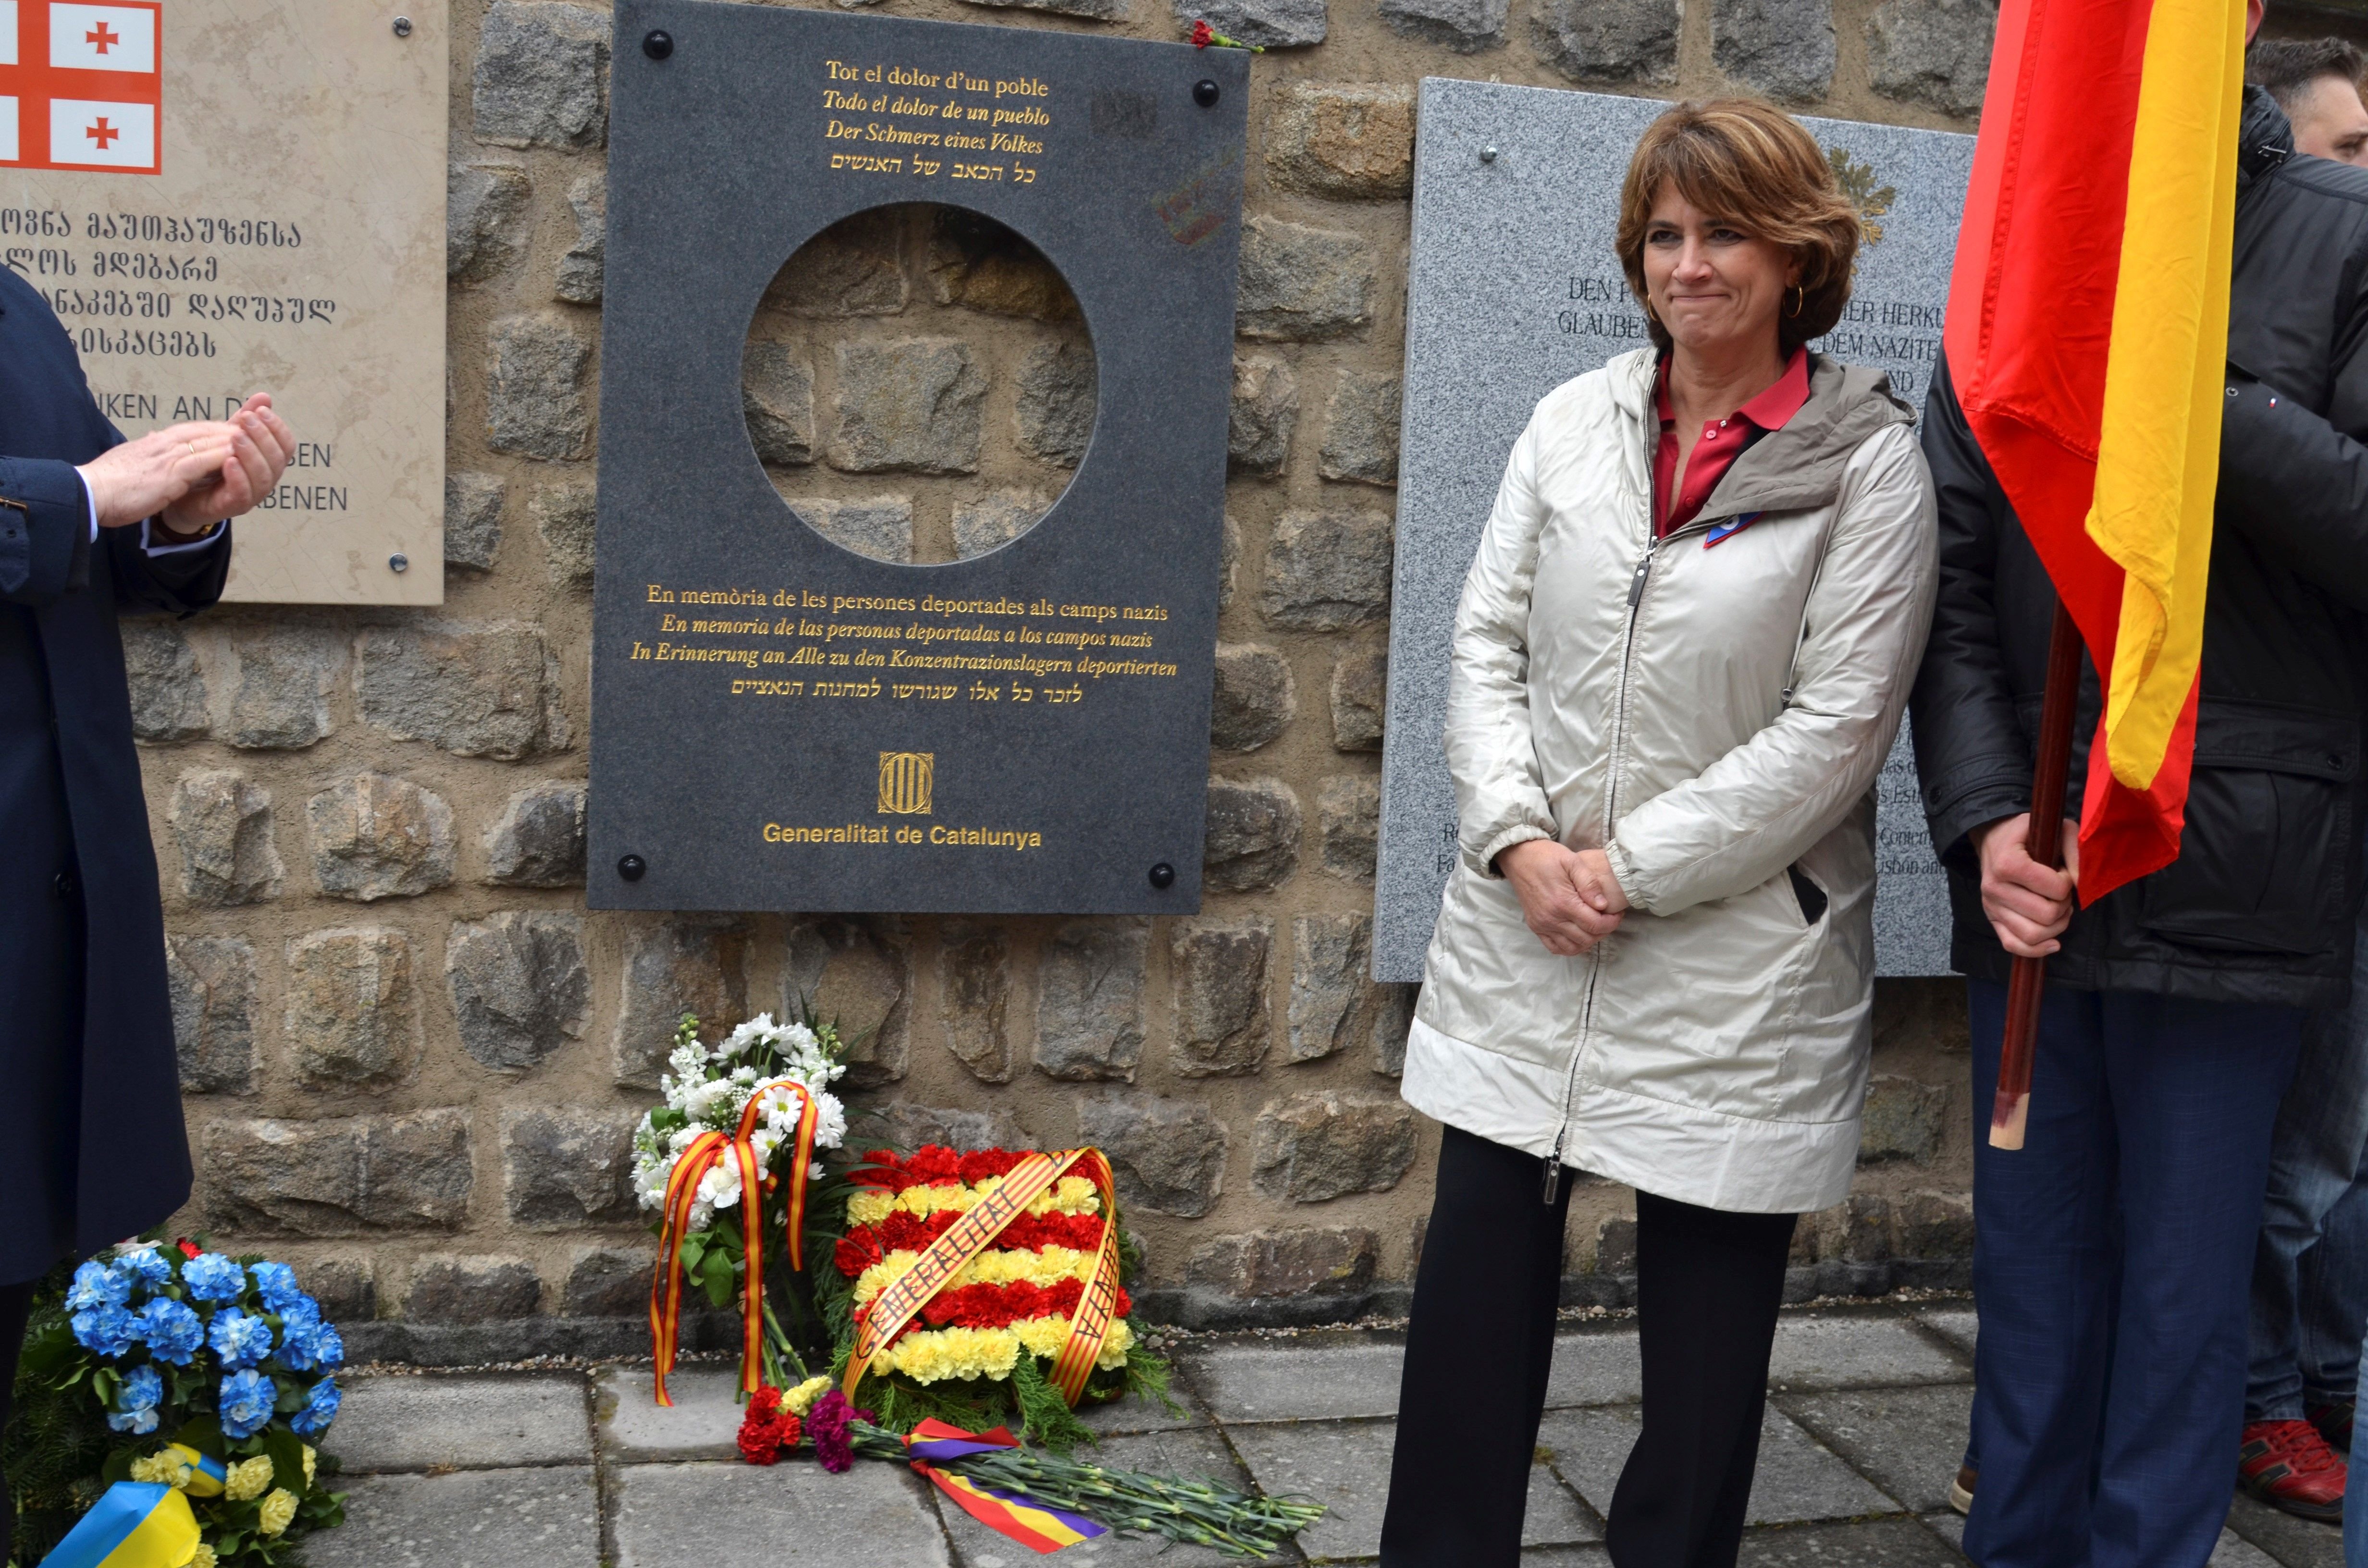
<point>1722,441</point>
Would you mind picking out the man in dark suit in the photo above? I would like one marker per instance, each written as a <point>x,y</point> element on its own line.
<point>91,1144</point>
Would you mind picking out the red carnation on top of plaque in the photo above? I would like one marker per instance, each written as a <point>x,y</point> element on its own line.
<point>1203,35</point>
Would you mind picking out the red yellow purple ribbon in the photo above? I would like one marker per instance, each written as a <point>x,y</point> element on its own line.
<point>1014,1515</point>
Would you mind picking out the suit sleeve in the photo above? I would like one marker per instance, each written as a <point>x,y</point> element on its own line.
<point>44,530</point>
<point>181,583</point>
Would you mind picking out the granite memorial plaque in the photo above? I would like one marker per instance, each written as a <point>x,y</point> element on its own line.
<point>219,196</point>
<point>782,723</point>
<point>1514,289</point>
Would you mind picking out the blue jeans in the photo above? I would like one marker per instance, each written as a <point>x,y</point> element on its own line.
<point>2111,1255</point>
<point>2310,1270</point>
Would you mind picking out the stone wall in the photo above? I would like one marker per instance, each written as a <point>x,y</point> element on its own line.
<point>411,1057</point>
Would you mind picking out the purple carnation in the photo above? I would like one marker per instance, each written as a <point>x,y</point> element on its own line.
<point>828,1423</point>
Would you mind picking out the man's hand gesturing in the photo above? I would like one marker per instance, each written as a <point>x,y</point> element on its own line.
<point>1569,899</point>
<point>2028,905</point>
<point>189,476</point>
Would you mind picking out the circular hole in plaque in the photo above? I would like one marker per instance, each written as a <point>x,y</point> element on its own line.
<point>919,383</point>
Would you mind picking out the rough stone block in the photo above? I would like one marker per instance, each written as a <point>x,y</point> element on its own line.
<point>567,1166</point>
<point>473,520</point>
<point>486,208</point>
<point>168,690</point>
<point>1360,429</point>
<point>1360,698</point>
<point>1089,1000</point>
<point>1332,1003</point>
<point>1328,570</point>
<point>472,1290</point>
<point>1932,51</point>
<point>1463,25</point>
<point>1289,1261</point>
<point>1253,834</point>
<point>439,1423</point>
<point>1303,284</point>
<point>909,1126</point>
<point>880,525</point>
<point>979,264</point>
<point>1265,411</point>
<point>577,279</point>
<point>1615,1245</point>
<point>1348,140</point>
<point>1167,1155</point>
<point>1314,1147</point>
<point>538,840</point>
<point>856,976</point>
<point>688,964</point>
<point>1092,10</point>
<point>1269,24</point>
<point>1609,40</point>
<point>535,402</point>
<point>1857,1229</point>
<point>1254,699</point>
<point>378,837</point>
<point>1783,49</point>
<point>975,994</point>
<point>777,398</point>
<point>1218,968</point>
<point>488,690</point>
<point>608,1282</point>
<point>1348,826</point>
<point>1393,1018</point>
<point>541,75</point>
<point>912,406</point>
<point>281,697</point>
<point>353,1010</point>
<point>346,1288</point>
<point>1229,561</point>
<point>995,520</point>
<point>855,267</point>
<point>520,987</point>
<point>1904,1119</point>
<point>338,1177</point>
<point>211,981</point>
<point>1935,1225</point>
<point>1052,417</point>
<point>566,516</point>
<point>222,826</point>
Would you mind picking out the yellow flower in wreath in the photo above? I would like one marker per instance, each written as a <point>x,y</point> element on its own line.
<point>279,1511</point>
<point>248,1478</point>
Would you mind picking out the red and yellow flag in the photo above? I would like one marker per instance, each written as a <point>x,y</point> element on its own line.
<point>2087,338</point>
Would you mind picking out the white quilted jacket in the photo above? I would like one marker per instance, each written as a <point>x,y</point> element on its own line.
<point>1713,717</point>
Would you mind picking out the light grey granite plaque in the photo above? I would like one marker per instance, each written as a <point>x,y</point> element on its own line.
<point>1514,289</point>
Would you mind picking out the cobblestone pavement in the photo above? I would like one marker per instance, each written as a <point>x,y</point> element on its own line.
<point>549,1470</point>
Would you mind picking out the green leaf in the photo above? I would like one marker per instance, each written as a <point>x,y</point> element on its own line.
<point>667,1119</point>
<point>118,1466</point>
<point>287,1451</point>
<point>205,1435</point>
<point>716,1276</point>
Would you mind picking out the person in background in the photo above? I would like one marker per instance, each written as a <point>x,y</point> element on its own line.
<point>2112,1252</point>
<point>91,1148</point>
<point>2317,82</point>
<point>1682,652</point>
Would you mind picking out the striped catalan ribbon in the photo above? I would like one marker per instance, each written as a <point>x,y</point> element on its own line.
<point>973,1234</point>
<point>1014,1515</point>
<point>134,1524</point>
<point>706,1152</point>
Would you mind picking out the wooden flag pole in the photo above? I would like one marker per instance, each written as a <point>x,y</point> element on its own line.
<point>2045,842</point>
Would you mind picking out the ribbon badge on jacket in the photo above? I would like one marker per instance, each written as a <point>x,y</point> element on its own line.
<point>706,1152</point>
<point>134,1524</point>
<point>879,1323</point>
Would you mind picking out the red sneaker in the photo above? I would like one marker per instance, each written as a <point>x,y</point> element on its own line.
<point>2334,1424</point>
<point>2288,1465</point>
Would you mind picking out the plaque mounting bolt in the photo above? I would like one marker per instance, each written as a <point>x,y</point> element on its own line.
<point>403,27</point>
<point>1162,876</point>
<point>398,564</point>
<point>632,867</point>
<point>1205,93</point>
<point>657,45</point>
<point>1489,154</point>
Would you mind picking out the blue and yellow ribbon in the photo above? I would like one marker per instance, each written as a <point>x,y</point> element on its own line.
<point>135,1524</point>
<point>208,1475</point>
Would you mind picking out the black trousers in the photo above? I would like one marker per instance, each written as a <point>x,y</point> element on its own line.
<point>1481,1343</point>
<point>15,1302</point>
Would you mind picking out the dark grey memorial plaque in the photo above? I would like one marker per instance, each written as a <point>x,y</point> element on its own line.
<point>1514,289</point>
<point>780,723</point>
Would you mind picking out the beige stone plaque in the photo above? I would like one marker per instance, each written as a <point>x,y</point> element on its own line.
<point>220,196</point>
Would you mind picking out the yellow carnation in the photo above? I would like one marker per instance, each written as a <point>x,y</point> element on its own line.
<point>165,1468</point>
<point>205,1557</point>
<point>278,1510</point>
<point>1115,1345</point>
<point>800,1399</point>
<point>248,1478</point>
<point>311,1458</point>
<point>870,1206</point>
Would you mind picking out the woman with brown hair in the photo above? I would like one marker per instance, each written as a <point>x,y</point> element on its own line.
<point>1682,652</point>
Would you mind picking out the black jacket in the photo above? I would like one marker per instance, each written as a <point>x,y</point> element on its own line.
<point>91,1142</point>
<point>2259,906</point>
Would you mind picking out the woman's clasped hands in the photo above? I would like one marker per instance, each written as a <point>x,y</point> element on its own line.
<point>1570,897</point>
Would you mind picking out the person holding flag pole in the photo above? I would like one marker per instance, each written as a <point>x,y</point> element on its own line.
<point>2143,692</point>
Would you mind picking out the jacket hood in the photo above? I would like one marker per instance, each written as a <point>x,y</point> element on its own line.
<point>1800,466</point>
<point>2264,136</point>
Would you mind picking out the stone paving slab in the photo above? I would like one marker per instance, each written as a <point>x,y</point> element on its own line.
<point>2233,1551</point>
<point>1956,1323</point>
<point>701,1424</point>
<point>392,1422</point>
<point>1295,1379</point>
<point>1797,1480</point>
<point>1193,1455</point>
<point>1878,1543</point>
<point>478,1518</point>
<point>2298,1543</point>
<point>1839,1350</point>
<point>1595,1368</point>
<point>1347,1469</point>
<point>1908,1441</point>
<point>791,1514</point>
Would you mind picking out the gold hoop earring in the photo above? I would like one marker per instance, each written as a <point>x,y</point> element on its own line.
<point>1799,298</point>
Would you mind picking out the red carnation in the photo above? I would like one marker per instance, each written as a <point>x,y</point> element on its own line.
<point>766,1428</point>
<point>934,1162</point>
<point>1202,35</point>
<point>855,1251</point>
<point>980,1164</point>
